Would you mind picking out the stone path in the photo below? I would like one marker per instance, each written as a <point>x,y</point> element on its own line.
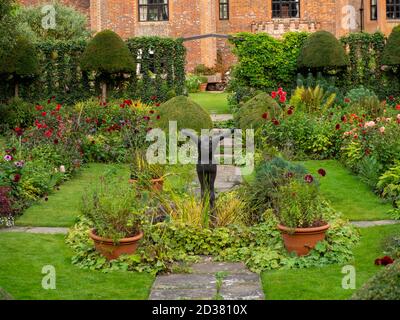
<point>367,224</point>
<point>42,230</point>
<point>209,280</point>
<point>221,117</point>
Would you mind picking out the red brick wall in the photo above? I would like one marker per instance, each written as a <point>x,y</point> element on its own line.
<point>196,17</point>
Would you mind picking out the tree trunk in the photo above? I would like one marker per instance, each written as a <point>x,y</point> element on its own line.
<point>16,90</point>
<point>103,92</point>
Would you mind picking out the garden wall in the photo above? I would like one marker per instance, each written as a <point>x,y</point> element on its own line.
<point>160,72</point>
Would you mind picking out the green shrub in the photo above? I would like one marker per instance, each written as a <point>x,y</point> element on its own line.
<point>107,54</point>
<point>322,51</point>
<point>187,113</point>
<point>193,82</point>
<point>312,100</point>
<point>356,94</point>
<point>299,204</point>
<point>202,70</point>
<point>21,62</point>
<point>266,63</point>
<point>391,246</point>
<point>16,113</point>
<point>250,114</point>
<point>261,191</point>
<point>391,53</point>
<point>385,285</point>
<point>70,23</point>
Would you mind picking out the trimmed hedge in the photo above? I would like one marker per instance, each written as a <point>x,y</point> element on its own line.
<point>385,285</point>
<point>250,114</point>
<point>322,50</point>
<point>391,53</point>
<point>107,53</point>
<point>60,74</point>
<point>187,113</point>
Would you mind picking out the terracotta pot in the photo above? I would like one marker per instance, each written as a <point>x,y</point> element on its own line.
<point>302,240</point>
<point>156,184</point>
<point>111,250</point>
<point>203,87</point>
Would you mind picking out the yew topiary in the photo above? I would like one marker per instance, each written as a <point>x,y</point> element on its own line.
<point>21,62</point>
<point>187,113</point>
<point>391,53</point>
<point>107,54</point>
<point>322,51</point>
<point>256,111</point>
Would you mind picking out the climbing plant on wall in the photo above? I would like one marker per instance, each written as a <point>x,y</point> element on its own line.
<point>365,65</point>
<point>266,62</point>
<point>160,64</point>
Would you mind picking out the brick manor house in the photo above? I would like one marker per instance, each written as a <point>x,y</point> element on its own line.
<point>191,18</point>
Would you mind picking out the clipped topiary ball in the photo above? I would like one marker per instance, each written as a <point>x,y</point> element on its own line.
<point>322,50</point>
<point>107,53</point>
<point>256,111</point>
<point>187,113</point>
<point>391,53</point>
<point>22,60</point>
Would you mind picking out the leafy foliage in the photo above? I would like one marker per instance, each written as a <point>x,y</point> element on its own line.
<point>391,53</point>
<point>22,61</point>
<point>250,114</point>
<point>187,113</point>
<point>265,62</point>
<point>385,285</point>
<point>106,53</point>
<point>70,23</point>
<point>170,246</point>
<point>162,73</point>
<point>115,209</point>
<point>322,51</point>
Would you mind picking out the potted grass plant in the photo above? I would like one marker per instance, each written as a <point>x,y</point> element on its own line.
<point>299,208</point>
<point>146,174</point>
<point>115,211</point>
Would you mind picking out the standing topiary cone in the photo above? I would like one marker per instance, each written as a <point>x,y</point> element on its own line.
<point>391,53</point>
<point>322,51</point>
<point>22,63</point>
<point>107,54</point>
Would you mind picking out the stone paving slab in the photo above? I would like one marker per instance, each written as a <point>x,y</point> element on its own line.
<point>40,230</point>
<point>221,117</point>
<point>368,224</point>
<point>238,283</point>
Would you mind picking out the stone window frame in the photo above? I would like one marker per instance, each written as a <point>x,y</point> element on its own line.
<point>393,9</point>
<point>223,8</point>
<point>373,10</point>
<point>277,13</point>
<point>159,4</point>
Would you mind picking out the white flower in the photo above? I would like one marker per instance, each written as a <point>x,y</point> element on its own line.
<point>62,169</point>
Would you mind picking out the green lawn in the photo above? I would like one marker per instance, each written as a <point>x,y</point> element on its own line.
<point>326,283</point>
<point>214,103</point>
<point>347,193</point>
<point>24,255</point>
<point>62,207</point>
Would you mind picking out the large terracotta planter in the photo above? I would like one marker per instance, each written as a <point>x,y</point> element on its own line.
<point>111,250</point>
<point>302,240</point>
<point>156,184</point>
<point>203,87</point>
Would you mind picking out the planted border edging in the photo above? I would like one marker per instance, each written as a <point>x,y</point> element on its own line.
<point>60,73</point>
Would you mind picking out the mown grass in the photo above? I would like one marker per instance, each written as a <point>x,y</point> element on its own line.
<point>326,283</point>
<point>24,255</point>
<point>347,193</point>
<point>62,206</point>
<point>214,103</point>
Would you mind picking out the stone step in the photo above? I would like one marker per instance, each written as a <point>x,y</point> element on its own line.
<point>39,230</point>
<point>368,224</point>
<point>237,283</point>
